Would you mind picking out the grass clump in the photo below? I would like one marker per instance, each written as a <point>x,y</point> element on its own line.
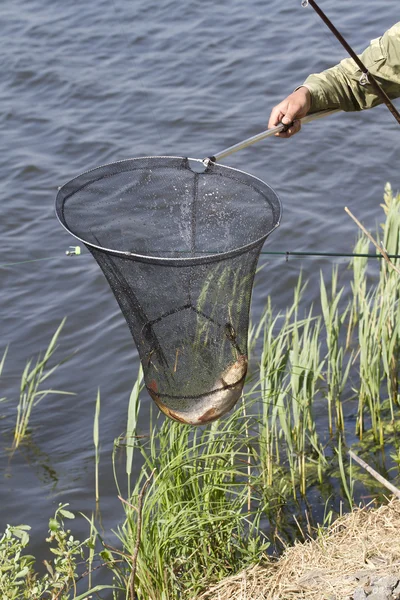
<point>202,511</point>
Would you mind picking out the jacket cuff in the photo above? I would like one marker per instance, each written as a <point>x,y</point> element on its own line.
<point>319,101</point>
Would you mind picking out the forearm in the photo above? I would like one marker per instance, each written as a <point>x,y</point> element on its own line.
<point>340,87</point>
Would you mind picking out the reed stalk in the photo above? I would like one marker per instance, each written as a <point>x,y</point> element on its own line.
<point>97,445</point>
<point>133,412</point>
<point>347,487</point>
<point>336,374</point>
<point>2,367</point>
<point>31,392</point>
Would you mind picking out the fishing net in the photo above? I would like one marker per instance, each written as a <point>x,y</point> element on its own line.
<point>178,244</point>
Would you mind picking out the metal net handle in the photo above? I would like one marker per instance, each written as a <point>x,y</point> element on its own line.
<point>266,133</point>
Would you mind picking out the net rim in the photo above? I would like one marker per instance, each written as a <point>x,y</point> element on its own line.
<point>175,261</point>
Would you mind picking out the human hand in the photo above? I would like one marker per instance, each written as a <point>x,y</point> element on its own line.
<point>292,108</point>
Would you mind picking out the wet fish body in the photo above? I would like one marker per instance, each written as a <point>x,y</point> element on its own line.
<point>206,408</point>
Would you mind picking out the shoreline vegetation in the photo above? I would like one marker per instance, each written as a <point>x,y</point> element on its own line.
<point>212,503</point>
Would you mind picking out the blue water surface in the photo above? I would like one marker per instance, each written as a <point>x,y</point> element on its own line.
<point>83,84</point>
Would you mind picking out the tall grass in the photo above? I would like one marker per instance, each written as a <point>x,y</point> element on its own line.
<point>289,375</point>
<point>337,373</point>
<point>96,442</point>
<point>2,361</point>
<point>133,413</point>
<point>31,390</point>
<point>197,526</point>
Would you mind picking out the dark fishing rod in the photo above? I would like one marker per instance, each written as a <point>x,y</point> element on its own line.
<point>287,253</point>
<point>367,76</point>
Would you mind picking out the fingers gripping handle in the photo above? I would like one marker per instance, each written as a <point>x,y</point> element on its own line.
<point>285,126</point>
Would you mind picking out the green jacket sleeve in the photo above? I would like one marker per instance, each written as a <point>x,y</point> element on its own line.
<point>340,86</point>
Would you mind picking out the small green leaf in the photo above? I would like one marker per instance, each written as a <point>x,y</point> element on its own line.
<point>66,513</point>
<point>106,555</point>
<point>93,590</point>
<point>49,567</point>
<point>22,573</point>
<point>20,532</point>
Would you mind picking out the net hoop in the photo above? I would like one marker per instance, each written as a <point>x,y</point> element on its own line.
<point>178,261</point>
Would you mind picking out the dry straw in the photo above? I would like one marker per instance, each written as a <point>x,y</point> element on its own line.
<point>359,546</point>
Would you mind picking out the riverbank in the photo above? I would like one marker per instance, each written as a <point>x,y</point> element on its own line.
<point>356,558</point>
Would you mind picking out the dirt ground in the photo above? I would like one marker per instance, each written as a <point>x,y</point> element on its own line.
<point>357,558</point>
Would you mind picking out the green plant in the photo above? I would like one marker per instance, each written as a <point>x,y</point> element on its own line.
<point>290,371</point>
<point>196,526</point>
<point>133,413</point>
<point>337,375</point>
<point>96,443</point>
<point>18,578</point>
<point>1,368</point>
<point>348,488</point>
<point>31,391</point>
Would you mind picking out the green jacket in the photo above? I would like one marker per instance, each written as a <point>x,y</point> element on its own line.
<point>340,87</point>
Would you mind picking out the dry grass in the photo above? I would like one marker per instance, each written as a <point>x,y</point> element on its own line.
<point>358,546</point>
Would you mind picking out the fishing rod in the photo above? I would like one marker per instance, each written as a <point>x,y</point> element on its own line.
<point>367,76</point>
<point>76,251</point>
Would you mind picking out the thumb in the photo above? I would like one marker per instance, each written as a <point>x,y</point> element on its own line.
<point>289,117</point>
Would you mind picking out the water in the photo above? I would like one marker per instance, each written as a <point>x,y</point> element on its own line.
<point>88,83</point>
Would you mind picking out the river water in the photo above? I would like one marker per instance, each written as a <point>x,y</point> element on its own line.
<point>86,83</point>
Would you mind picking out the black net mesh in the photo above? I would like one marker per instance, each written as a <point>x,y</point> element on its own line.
<point>179,246</point>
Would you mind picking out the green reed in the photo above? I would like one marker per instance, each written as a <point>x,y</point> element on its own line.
<point>336,374</point>
<point>133,413</point>
<point>31,389</point>
<point>348,488</point>
<point>289,377</point>
<point>389,281</point>
<point>351,356</point>
<point>379,332</point>
<point>96,442</point>
<point>2,361</point>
